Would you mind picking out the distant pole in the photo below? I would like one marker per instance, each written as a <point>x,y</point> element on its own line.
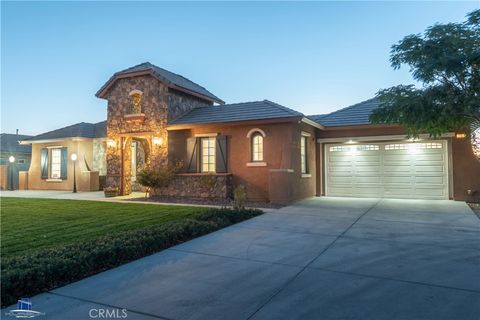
<point>11,159</point>
<point>74,159</point>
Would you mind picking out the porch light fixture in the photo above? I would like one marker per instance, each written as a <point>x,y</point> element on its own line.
<point>158,141</point>
<point>460,135</point>
<point>11,159</point>
<point>74,159</point>
<point>111,143</point>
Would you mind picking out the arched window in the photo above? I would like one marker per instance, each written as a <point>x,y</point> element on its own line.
<point>257,147</point>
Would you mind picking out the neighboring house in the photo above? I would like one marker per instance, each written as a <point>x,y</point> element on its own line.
<point>278,154</point>
<point>52,167</point>
<point>10,146</point>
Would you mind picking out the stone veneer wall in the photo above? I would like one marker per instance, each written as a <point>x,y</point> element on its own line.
<point>180,103</point>
<point>211,186</point>
<point>158,104</point>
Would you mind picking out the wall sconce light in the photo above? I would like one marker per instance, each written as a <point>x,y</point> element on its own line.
<point>460,135</point>
<point>350,141</point>
<point>158,141</point>
<point>111,143</point>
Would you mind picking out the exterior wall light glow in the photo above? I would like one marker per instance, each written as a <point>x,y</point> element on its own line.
<point>353,151</point>
<point>11,159</point>
<point>460,135</point>
<point>157,141</point>
<point>73,157</point>
<point>412,149</point>
<point>350,141</point>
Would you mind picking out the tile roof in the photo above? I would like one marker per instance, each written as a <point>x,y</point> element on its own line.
<point>357,114</point>
<point>167,76</point>
<point>9,143</point>
<point>82,129</point>
<point>256,110</point>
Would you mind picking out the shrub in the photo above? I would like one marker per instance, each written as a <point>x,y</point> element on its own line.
<point>160,177</point>
<point>239,197</point>
<point>49,268</point>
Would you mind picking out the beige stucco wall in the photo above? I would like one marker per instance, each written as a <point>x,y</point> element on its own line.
<point>84,151</point>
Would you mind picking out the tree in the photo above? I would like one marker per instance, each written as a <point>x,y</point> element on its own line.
<point>158,177</point>
<point>446,60</point>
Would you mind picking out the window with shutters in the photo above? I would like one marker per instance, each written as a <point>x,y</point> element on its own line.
<point>208,154</point>
<point>303,155</point>
<point>257,147</point>
<point>56,163</point>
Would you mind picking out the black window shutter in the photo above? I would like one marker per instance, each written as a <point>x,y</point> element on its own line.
<point>192,154</point>
<point>44,163</point>
<point>221,154</point>
<point>63,168</point>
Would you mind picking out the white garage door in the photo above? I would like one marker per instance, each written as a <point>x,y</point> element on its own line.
<point>388,170</point>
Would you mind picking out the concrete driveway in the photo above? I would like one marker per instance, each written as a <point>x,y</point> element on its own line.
<point>323,258</point>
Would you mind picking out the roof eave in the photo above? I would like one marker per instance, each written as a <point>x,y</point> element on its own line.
<point>182,126</point>
<point>313,123</point>
<point>361,126</point>
<point>27,142</point>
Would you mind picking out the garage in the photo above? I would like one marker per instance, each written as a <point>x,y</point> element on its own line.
<point>387,169</point>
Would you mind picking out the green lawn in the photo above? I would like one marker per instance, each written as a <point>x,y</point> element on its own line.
<point>31,224</point>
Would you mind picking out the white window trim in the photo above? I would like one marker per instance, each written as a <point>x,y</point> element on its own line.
<point>60,164</point>
<point>206,135</point>
<point>209,155</point>
<point>306,134</point>
<point>257,164</point>
<point>252,131</point>
<point>306,175</point>
<point>135,91</point>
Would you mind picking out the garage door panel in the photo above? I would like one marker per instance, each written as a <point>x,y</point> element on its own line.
<point>368,179</point>
<point>430,180</point>
<point>396,170</point>
<point>422,169</point>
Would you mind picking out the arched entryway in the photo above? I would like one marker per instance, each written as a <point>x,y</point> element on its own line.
<point>136,157</point>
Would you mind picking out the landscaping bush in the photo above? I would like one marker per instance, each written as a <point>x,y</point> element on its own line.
<point>46,269</point>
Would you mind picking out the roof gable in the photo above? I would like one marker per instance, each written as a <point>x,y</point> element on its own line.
<point>357,114</point>
<point>171,79</point>
<point>256,110</point>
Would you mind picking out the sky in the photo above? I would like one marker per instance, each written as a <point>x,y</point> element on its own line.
<point>314,57</point>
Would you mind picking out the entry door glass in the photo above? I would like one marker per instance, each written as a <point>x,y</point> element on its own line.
<point>134,160</point>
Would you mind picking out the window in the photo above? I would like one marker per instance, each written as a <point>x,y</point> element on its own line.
<point>208,154</point>
<point>407,146</point>
<point>368,147</point>
<point>21,161</point>
<point>303,154</point>
<point>56,168</point>
<point>257,147</point>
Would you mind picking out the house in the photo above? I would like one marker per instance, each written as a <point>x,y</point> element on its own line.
<point>280,155</point>
<point>10,147</point>
<point>52,168</point>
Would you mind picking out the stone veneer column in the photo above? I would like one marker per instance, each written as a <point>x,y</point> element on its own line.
<point>158,105</point>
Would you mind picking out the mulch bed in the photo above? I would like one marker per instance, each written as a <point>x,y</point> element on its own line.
<point>206,202</point>
<point>476,208</point>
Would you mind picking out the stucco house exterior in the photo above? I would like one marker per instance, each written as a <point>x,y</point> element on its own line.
<point>155,117</point>
<point>10,147</point>
<point>51,166</point>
